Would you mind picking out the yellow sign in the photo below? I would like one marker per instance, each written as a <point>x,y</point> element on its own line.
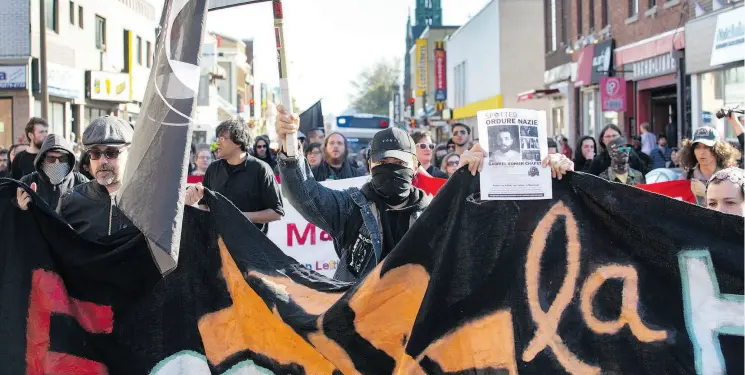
<point>422,60</point>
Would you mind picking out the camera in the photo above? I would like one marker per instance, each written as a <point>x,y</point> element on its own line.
<point>720,114</point>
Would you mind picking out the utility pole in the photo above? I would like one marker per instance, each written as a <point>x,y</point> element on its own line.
<point>43,60</point>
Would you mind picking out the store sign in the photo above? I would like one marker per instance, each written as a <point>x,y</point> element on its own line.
<point>651,67</point>
<point>584,66</point>
<point>13,77</point>
<point>108,86</point>
<point>602,60</point>
<point>612,94</point>
<point>558,74</point>
<point>422,74</point>
<point>65,82</point>
<point>440,76</point>
<point>729,37</point>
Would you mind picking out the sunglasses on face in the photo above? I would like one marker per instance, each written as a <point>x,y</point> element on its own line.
<point>460,132</point>
<point>425,146</point>
<point>453,163</point>
<point>624,149</point>
<point>52,159</point>
<point>109,153</point>
<point>260,147</point>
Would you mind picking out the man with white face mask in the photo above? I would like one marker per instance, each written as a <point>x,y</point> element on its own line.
<point>54,176</point>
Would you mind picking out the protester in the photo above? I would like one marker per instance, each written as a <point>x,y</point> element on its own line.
<point>601,161</point>
<point>202,161</point>
<point>91,209</point>
<point>553,148</point>
<point>461,137</point>
<point>192,158</point>
<point>450,164</point>
<point>661,155</point>
<point>315,135</point>
<point>245,180</point>
<point>726,191</point>
<point>55,173</point>
<point>450,145</point>
<point>262,151</point>
<point>313,154</point>
<point>367,223</point>
<point>84,166</point>
<point>674,157</point>
<point>584,153</point>
<point>13,150</point>
<point>636,145</point>
<point>4,163</point>
<point>648,140</point>
<point>335,164</point>
<point>705,155</point>
<point>424,153</point>
<point>566,150</point>
<point>619,170</point>
<point>440,151</point>
<point>23,163</point>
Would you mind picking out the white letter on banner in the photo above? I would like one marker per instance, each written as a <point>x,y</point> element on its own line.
<point>708,313</point>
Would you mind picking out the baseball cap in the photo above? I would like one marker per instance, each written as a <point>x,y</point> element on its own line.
<point>706,135</point>
<point>108,130</point>
<point>392,143</point>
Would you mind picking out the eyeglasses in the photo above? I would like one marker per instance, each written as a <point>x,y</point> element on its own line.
<point>52,159</point>
<point>460,132</point>
<point>315,152</point>
<point>425,146</point>
<point>453,163</point>
<point>109,153</point>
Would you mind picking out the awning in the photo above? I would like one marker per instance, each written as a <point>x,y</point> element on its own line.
<point>535,94</point>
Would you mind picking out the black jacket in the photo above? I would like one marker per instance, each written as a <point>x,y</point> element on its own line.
<point>44,188</point>
<point>324,171</point>
<point>92,212</point>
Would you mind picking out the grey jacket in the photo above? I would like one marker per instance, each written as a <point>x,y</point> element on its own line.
<point>359,247</point>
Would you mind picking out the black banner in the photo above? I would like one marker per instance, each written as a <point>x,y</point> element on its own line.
<point>602,279</point>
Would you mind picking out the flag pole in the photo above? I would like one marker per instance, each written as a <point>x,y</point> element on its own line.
<point>285,98</point>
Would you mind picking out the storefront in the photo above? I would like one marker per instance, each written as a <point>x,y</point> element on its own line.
<point>559,92</point>
<point>593,62</point>
<point>104,92</point>
<point>13,87</point>
<point>714,60</point>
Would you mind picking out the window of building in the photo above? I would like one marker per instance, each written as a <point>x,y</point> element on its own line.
<point>80,16</point>
<point>52,14</point>
<point>652,4</point>
<point>721,89</point>
<point>580,30</point>
<point>554,36</point>
<point>100,33</point>
<point>633,7</point>
<point>591,21</point>
<point>72,13</point>
<point>605,14</point>
<point>138,50</point>
<point>148,54</point>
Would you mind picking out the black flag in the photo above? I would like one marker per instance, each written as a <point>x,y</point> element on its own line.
<point>311,118</point>
<point>152,193</point>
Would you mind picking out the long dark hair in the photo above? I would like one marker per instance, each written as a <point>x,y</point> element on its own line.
<point>579,158</point>
<point>346,145</point>
<point>600,137</point>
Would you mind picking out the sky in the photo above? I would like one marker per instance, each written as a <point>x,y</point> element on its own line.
<point>328,42</point>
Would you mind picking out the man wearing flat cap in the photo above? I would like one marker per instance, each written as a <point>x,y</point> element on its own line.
<point>91,208</point>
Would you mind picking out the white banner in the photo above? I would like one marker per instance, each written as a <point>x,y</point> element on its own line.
<point>310,246</point>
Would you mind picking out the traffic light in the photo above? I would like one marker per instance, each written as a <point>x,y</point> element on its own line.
<point>251,108</point>
<point>411,105</point>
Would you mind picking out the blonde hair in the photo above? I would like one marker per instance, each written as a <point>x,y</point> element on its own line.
<point>444,164</point>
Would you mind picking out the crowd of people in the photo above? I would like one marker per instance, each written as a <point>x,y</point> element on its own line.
<point>365,223</point>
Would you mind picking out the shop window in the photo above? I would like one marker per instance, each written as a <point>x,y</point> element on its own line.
<point>57,118</point>
<point>721,89</point>
<point>557,122</point>
<point>589,113</point>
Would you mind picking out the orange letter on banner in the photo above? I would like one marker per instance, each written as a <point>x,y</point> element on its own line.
<point>547,322</point>
<point>629,305</point>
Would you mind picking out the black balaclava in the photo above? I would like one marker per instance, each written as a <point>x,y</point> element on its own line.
<point>392,182</point>
<point>619,155</point>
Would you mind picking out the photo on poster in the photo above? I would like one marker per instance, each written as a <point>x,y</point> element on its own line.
<point>531,155</point>
<point>528,131</point>
<point>529,143</point>
<point>504,144</point>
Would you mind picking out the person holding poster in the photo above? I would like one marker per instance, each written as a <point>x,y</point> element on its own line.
<point>516,140</point>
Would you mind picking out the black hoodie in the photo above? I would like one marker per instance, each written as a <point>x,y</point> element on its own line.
<point>46,190</point>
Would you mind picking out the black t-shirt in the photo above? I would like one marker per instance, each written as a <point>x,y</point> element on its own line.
<point>395,224</point>
<point>251,185</point>
<point>23,164</point>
